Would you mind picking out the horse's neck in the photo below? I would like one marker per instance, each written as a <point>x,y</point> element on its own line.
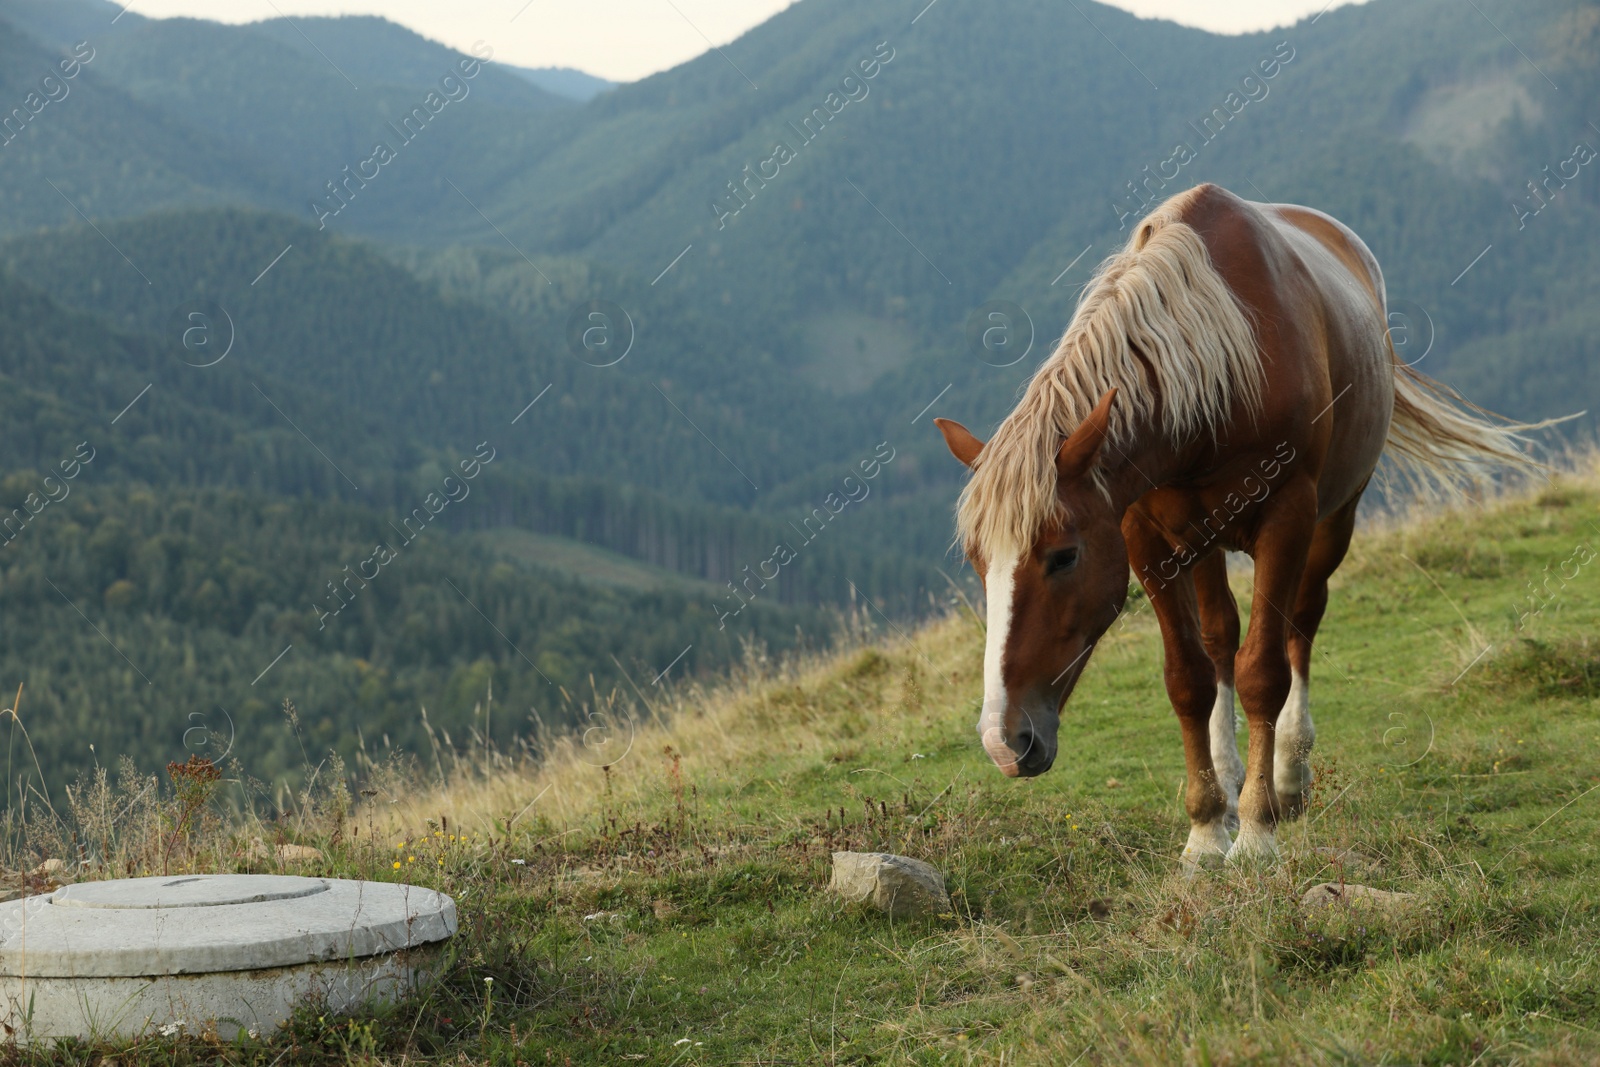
<point>1131,470</point>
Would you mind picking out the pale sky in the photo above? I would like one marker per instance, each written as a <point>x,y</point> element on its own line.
<point>624,40</point>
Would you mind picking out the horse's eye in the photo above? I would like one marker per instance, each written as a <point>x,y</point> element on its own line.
<point>1061,560</point>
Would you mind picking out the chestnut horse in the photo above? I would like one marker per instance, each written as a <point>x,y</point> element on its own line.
<point>1227,382</point>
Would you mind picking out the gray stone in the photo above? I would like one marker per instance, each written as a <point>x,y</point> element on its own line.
<point>219,953</point>
<point>1330,893</point>
<point>898,885</point>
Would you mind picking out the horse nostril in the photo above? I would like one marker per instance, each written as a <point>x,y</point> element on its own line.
<point>1031,754</point>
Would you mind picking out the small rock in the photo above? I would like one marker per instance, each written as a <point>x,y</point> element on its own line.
<point>898,885</point>
<point>1329,893</point>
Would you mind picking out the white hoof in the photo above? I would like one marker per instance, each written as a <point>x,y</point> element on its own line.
<point>1254,844</point>
<point>1207,847</point>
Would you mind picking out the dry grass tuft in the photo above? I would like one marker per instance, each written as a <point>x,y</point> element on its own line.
<point>714,731</point>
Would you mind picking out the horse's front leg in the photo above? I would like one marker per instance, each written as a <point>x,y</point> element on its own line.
<point>1285,527</point>
<point>1191,686</point>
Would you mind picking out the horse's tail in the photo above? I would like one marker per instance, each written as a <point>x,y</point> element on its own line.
<point>1443,442</point>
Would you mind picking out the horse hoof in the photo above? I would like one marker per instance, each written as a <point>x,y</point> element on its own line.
<point>1207,847</point>
<point>1254,845</point>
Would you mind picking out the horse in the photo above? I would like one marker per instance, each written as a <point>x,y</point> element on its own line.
<point>1227,383</point>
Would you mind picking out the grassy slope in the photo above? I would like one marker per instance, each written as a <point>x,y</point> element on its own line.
<point>672,909</point>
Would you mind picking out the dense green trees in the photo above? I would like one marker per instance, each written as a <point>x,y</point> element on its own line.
<point>135,616</point>
<point>204,529</point>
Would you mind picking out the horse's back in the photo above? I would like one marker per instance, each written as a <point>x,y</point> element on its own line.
<point>1359,357</point>
<point>1296,265</point>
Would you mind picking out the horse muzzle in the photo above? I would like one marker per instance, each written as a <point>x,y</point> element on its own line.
<point>1022,745</point>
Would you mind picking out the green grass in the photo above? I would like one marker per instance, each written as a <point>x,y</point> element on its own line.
<point>673,909</point>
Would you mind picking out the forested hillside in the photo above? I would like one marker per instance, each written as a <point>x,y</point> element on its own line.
<point>167,530</point>
<point>154,623</point>
<point>387,376</point>
<point>1010,171</point>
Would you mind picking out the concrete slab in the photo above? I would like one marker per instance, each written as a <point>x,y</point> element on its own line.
<point>221,952</point>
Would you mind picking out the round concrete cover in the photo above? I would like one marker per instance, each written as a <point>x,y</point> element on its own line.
<point>195,924</point>
<point>194,891</point>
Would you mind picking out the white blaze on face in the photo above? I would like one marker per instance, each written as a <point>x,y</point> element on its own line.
<point>1000,584</point>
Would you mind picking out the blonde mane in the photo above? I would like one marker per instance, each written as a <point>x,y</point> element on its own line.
<point>1157,323</point>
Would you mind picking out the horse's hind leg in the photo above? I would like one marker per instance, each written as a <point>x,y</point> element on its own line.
<point>1219,629</point>
<point>1286,528</point>
<point>1291,769</point>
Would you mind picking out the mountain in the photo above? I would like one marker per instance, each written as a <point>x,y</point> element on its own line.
<point>388,376</point>
<point>372,52</point>
<point>87,149</point>
<point>167,530</point>
<point>565,81</point>
<point>689,314</point>
<point>953,181</point>
<point>905,200</point>
<point>269,113</point>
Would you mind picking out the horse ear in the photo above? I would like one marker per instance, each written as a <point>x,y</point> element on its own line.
<point>1080,451</point>
<point>959,440</point>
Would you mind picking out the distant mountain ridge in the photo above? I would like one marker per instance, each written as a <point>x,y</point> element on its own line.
<point>565,81</point>
<point>168,96</point>
<point>371,50</point>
